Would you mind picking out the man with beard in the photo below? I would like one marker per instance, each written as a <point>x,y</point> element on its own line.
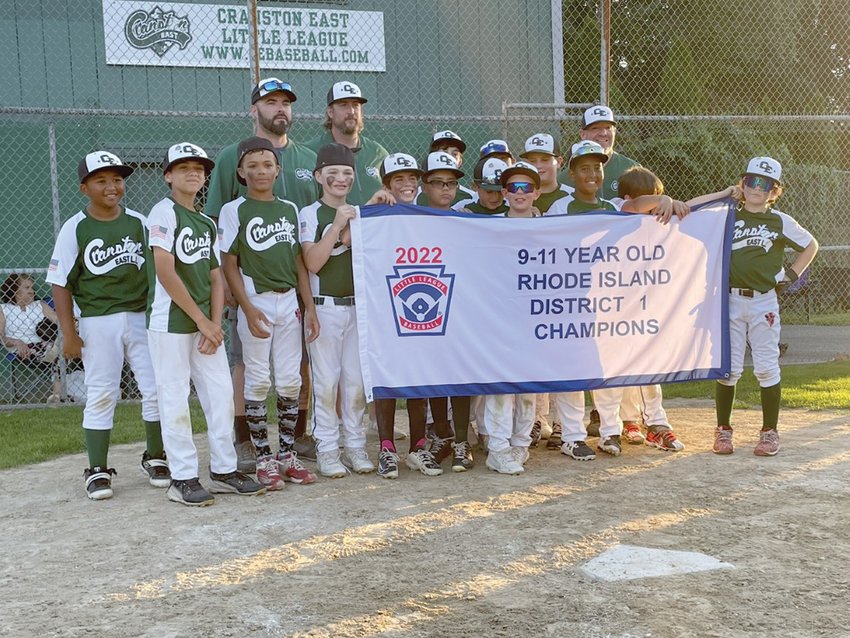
<point>271,110</point>
<point>343,125</point>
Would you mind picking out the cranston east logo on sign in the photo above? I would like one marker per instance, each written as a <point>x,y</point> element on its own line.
<point>214,35</point>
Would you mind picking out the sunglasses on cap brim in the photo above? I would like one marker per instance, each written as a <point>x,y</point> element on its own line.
<point>494,148</point>
<point>274,85</point>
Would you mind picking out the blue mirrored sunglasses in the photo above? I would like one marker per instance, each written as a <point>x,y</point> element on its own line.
<point>275,85</point>
<point>494,148</point>
<point>759,183</point>
<point>520,187</point>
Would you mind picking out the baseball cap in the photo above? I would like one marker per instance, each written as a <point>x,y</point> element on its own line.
<point>597,113</point>
<point>270,85</point>
<point>185,151</point>
<point>766,167</point>
<point>521,168</point>
<point>253,144</point>
<point>398,163</point>
<point>448,136</point>
<point>488,173</point>
<point>542,143</point>
<point>345,91</point>
<point>440,161</point>
<point>100,160</point>
<point>587,148</point>
<point>495,146</point>
<point>334,155</point>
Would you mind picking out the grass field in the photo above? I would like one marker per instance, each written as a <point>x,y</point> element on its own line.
<point>32,436</point>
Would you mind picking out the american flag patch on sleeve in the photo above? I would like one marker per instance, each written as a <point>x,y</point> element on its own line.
<point>54,264</point>
<point>159,232</point>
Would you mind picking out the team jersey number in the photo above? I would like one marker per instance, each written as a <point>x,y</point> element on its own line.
<point>423,255</point>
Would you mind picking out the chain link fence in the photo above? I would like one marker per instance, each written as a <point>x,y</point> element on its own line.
<point>698,88</point>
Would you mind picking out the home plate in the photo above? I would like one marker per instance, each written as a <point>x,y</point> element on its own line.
<point>627,562</point>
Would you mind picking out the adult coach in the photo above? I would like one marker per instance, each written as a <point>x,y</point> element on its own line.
<point>271,110</point>
<point>598,125</point>
<point>344,125</point>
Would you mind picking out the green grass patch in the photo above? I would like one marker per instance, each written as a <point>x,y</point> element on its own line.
<point>798,317</point>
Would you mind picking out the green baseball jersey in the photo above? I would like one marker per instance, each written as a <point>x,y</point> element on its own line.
<point>191,237</point>
<point>546,200</point>
<point>295,182</point>
<point>101,263</point>
<point>367,161</point>
<point>758,245</point>
<point>264,236</point>
<point>336,277</point>
<point>615,166</point>
<point>569,205</point>
<point>463,194</point>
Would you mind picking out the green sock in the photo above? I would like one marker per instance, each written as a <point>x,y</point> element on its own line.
<point>724,397</point>
<point>770,398</point>
<point>153,433</point>
<point>97,444</point>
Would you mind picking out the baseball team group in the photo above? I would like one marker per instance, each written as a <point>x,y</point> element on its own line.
<point>271,254</point>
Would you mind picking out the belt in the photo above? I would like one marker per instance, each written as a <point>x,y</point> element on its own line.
<point>333,301</point>
<point>747,292</point>
<point>280,290</point>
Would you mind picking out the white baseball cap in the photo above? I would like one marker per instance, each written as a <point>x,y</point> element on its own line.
<point>521,168</point>
<point>100,160</point>
<point>345,90</point>
<point>488,173</point>
<point>766,167</point>
<point>440,161</point>
<point>542,143</point>
<point>495,146</point>
<point>597,113</point>
<point>399,163</point>
<point>183,152</point>
<point>585,148</point>
<point>448,136</point>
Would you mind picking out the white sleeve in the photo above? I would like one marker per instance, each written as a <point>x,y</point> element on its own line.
<point>558,207</point>
<point>463,204</point>
<point>162,223</point>
<point>65,253</point>
<point>308,224</point>
<point>228,225</point>
<point>797,236</point>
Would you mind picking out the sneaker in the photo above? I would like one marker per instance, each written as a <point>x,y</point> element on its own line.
<point>520,454</point>
<point>462,457</point>
<point>593,424</point>
<point>722,441</point>
<point>357,459</point>
<point>504,463</point>
<point>246,457</point>
<point>554,441</point>
<point>663,438</point>
<point>579,450</point>
<point>768,444</point>
<point>441,449</point>
<point>329,464</point>
<point>388,464</point>
<point>235,483</point>
<point>156,469</point>
<point>611,445</point>
<point>293,470</point>
<point>423,461</point>
<point>535,434</point>
<point>189,492</point>
<point>305,447</point>
<point>631,430</point>
<point>268,475</point>
<point>99,482</point>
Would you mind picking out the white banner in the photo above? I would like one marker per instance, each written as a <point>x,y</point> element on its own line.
<point>215,35</point>
<point>457,304</point>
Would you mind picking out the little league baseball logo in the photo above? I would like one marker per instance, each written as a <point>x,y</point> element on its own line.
<point>420,296</point>
<point>770,317</point>
<point>158,30</point>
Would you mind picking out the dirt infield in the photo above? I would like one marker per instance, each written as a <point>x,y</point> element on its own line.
<point>475,554</point>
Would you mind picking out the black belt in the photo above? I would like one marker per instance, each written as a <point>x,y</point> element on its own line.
<point>281,290</point>
<point>745,292</point>
<point>334,301</point>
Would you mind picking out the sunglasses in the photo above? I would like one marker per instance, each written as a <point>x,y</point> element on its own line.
<point>274,85</point>
<point>520,187</point>
<point>759,183</point>
<point>441,184</point>
<point>493,148</point>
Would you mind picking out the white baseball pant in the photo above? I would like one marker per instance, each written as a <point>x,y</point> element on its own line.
<point>569,410</point>
<point>335,366</point>
<point>644,402</point>
<point>542,408</point>
<point>176,360</point>
<point>754,319</point>
<point>509,419</point>
<point>607,402</point>
<point>283,347</point>
<point>109,340</point>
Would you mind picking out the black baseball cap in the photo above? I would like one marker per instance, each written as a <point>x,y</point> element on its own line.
<point>521,168</point>
<point>253,144</point>
<point>334,155</point>
<point>99,161</point>
<point>270,85</point>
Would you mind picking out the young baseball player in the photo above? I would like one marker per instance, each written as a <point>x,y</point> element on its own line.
<point>99,261</point>
<point>400,176</point>
<point>544,153</point>
<point>451,143</point>
<point>486,182</point>
<point>759,240</point>
<point>262,263</point>
<point>439,183</point>
<point>510,417</point>
<point>185,303</point>
<point>335,354</point>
